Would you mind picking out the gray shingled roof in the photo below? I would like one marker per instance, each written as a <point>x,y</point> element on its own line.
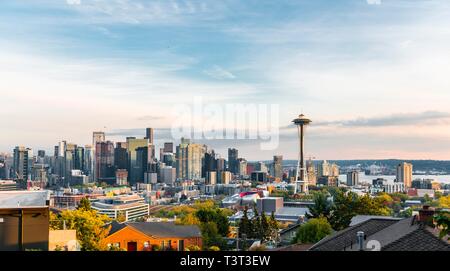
<point>23,199</point>
<point>346,239</point>
<point>392,235</point>
<point>166,229</point>
<point>419,240</point>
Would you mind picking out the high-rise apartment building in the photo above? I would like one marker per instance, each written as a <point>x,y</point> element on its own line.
<point>311,173</point>
<point>404,174</point>
<point>242,167</point>
<point>353,178</point>
<point>277,166</point>
<point>233,155</point>
<point>189,160</point>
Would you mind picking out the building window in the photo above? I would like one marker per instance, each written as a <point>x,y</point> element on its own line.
<point>147,246</point>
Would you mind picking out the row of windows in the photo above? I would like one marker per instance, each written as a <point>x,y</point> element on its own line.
<point>164,245</point>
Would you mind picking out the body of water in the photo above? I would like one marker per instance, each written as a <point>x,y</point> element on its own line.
<point>390,178</point>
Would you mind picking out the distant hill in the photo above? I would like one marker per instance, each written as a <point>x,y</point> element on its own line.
<point>419,165</point>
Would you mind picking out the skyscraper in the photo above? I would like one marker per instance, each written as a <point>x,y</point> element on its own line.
<point>135,166</point>
<point>104,157</point>
<point>194,161</point>
<point>79,158</point>
<point>149,135</point>
<point>233,155</point>
<point>277,166</point>
<point>242,167</point>
<point>88,162</point>
<point>220,164</point>
<point>353,178</point>
<point>311,173</point>
<point>121,156</point>
<point>22,163</point>
<point>404,174</point>
<point>69,161</point>
<point>209,163</point>
<point>97,137</point>
<point>189,160</point>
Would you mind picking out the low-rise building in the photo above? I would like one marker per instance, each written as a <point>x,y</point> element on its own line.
<point>131,207</point>
<point>9,185</point>
<point>153,236</point>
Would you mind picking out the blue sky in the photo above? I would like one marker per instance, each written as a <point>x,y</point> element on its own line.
<point>363,70</point>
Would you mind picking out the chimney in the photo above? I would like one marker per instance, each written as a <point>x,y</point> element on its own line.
<point>360,239</point>
<point>426,215</point>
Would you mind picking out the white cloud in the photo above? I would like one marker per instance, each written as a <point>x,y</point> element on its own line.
<point>218,72</point>
<point>68,98</point>
<point>374,2</point>
<point>73,2</point>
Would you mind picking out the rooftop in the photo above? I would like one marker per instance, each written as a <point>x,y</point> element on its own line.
<point>159,229</point>
<point>18,199</point>
<point>389,233</point>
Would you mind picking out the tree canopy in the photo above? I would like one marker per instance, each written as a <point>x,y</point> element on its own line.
<point>89,225</point>
<point>313,231</point>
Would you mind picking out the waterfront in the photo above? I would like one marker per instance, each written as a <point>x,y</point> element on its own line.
<point>390,178</point>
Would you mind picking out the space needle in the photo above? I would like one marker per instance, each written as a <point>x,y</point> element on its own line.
<point>301,182</point>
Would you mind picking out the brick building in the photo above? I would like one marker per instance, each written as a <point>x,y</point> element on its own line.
<point>152,236</point>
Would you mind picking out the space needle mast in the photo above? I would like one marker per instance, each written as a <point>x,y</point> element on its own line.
<point>301,182</point>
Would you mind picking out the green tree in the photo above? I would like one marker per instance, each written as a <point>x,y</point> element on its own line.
<point>273,227</point>
<point>313,231</point>
<point>321,208</point>
<point>85,204</point>
<point>347,205</point>
<point>265,227</point>
<point>245,225</point>
<point>217,216</point>
<point>211,236</point>
<point>442,220</point>
<point>256,231</point>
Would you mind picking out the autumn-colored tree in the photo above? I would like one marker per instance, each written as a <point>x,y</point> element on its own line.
<point>189,219</point>
<point>89,225</point>
<point>121,217</point>
<point>444,202</point>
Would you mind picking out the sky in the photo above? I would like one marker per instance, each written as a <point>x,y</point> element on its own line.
<point>373,75</point>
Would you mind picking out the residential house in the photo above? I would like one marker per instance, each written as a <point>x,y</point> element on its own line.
<point>151,236</point>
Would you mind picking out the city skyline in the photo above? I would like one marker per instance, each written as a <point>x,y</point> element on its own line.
<point>372,74</point>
